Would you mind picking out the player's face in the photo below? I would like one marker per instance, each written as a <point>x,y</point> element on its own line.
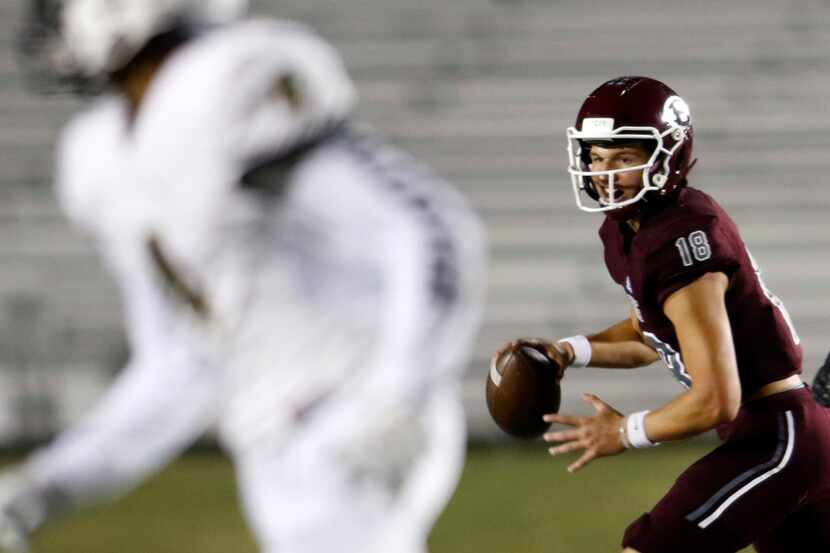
<point>626,184</point>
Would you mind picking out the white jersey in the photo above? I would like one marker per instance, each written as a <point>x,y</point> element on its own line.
<point>289,287</point>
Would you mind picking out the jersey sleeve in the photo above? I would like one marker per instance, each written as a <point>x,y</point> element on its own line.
<point>150,414</point>
<point>689,249</point>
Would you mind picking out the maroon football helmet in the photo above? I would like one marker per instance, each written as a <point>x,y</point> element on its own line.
<point>631,109</point>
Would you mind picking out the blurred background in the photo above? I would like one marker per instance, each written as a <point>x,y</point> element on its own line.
<point>482,90</point>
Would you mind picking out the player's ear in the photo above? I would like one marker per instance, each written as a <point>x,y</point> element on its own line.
<point>286,88</point>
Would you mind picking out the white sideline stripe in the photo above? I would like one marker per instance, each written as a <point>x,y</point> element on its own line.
<point>773,471</point>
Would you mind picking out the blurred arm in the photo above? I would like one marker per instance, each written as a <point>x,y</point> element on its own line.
<point>150,414</point>
<point>164,398</point>
<point>159,404</point>
<point>698,312</point>
<point>155,408</point>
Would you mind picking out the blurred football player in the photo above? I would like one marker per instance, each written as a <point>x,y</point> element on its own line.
<point>698,302</point>
<point>285,275</point>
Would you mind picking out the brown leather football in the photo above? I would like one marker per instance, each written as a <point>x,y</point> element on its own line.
<point>521,387</point>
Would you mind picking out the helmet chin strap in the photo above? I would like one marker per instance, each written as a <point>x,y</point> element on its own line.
<point>689,168</point>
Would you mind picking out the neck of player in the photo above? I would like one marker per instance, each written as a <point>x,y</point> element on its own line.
<point>135,83</point>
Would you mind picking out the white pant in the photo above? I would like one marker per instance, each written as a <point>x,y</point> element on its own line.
<point>305,497</point>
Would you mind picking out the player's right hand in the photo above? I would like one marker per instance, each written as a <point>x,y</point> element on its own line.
<point>12,537</point>
<point>561,354</point>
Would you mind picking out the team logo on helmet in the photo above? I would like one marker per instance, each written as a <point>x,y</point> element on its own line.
<point>676,112</point>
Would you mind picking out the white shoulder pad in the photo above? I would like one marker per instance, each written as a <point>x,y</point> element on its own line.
<point>247,90</point>
<point>88,159</point>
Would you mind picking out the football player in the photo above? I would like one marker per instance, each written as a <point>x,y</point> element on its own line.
<point>698,303</point>
<point>286,276</point>
<point>821,383</point>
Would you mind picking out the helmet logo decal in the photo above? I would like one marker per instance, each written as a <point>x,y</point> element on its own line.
<point>676,112</point>
<point>598,125</point>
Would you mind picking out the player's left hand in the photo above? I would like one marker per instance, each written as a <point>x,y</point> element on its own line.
<point>597,436</point>
<point>13,538</point>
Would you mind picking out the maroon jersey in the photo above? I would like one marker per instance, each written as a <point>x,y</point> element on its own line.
<point>678,244</point>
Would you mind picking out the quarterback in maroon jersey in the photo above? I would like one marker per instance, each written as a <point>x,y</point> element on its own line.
<point>699,304</point>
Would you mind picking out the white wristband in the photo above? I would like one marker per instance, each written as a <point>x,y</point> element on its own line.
<point>582,350</point>
<point>624,436</point>
<point>635,430</point>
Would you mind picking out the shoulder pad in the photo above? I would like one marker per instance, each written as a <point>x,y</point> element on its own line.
<point>87,159</point>
<point>245,91</point>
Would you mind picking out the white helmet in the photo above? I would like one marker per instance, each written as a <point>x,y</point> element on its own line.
<point>93,38</point>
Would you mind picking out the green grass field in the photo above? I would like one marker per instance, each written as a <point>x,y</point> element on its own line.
<point>510,500</point>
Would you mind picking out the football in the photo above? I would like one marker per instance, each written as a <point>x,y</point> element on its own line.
<point>521,387</point>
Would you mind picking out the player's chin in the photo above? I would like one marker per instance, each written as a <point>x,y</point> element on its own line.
<point>605,199</point>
